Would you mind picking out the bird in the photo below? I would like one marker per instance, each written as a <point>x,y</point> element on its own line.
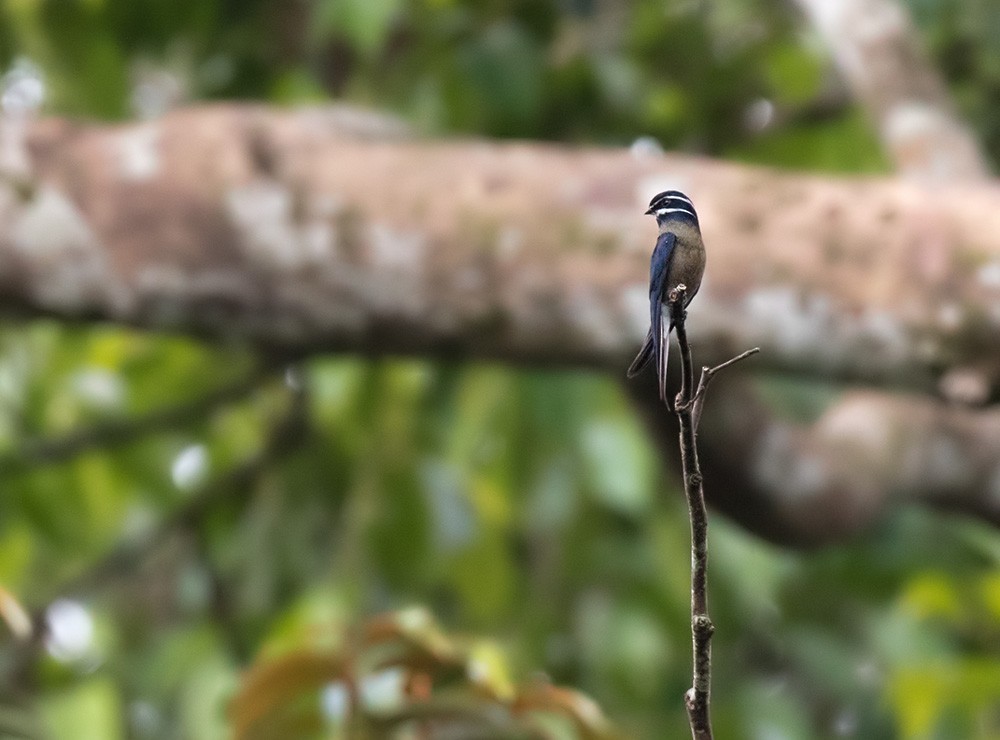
<point>678,258</point>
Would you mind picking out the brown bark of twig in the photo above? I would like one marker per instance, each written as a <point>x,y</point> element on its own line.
<point>698,696</point>
<point>688,407</point>
<point>707,373</point>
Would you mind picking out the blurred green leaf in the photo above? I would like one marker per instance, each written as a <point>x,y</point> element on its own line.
<point>617,465</point>
<point>841,145</point>
<point>366,23</point>
<point>91,710</point>
<point>794,72</point>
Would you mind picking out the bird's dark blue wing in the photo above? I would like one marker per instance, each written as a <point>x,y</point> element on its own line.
<point>656,343</point>
<point>658,267</point>
<point>660,263</point>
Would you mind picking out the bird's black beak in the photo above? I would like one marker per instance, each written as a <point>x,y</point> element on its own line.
<point>649,212</point>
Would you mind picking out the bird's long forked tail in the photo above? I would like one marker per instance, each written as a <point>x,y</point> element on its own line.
<point>656,346</point>
<point>642,359</point>
<point>662,349</point>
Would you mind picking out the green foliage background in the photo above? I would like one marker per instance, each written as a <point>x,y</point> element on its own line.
<point>527,506</point>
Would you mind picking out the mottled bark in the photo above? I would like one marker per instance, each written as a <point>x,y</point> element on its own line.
<point>326,230</point>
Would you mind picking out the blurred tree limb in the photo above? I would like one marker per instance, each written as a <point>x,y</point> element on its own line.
<point>131,557</point>
<point>286,432</point>
<point>117,432</point>
<point>878,51</point>
<point>330,230</point>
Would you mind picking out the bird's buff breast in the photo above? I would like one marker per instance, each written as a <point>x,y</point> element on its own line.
<point>687,265</point>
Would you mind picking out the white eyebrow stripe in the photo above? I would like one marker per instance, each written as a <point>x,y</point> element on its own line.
<point>675,199</point>
<point>665,211</point>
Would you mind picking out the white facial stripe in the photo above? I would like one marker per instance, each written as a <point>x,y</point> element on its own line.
<point>665,211</point>
<point>675,200</point>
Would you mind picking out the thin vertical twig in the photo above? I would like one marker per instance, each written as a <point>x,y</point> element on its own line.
<point>688,406</point>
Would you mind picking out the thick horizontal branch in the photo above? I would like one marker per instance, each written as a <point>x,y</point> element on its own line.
<point>298,230</point>
<point>318,230</point>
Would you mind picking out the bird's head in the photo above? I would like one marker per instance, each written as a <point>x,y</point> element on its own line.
<point>672,205</point>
